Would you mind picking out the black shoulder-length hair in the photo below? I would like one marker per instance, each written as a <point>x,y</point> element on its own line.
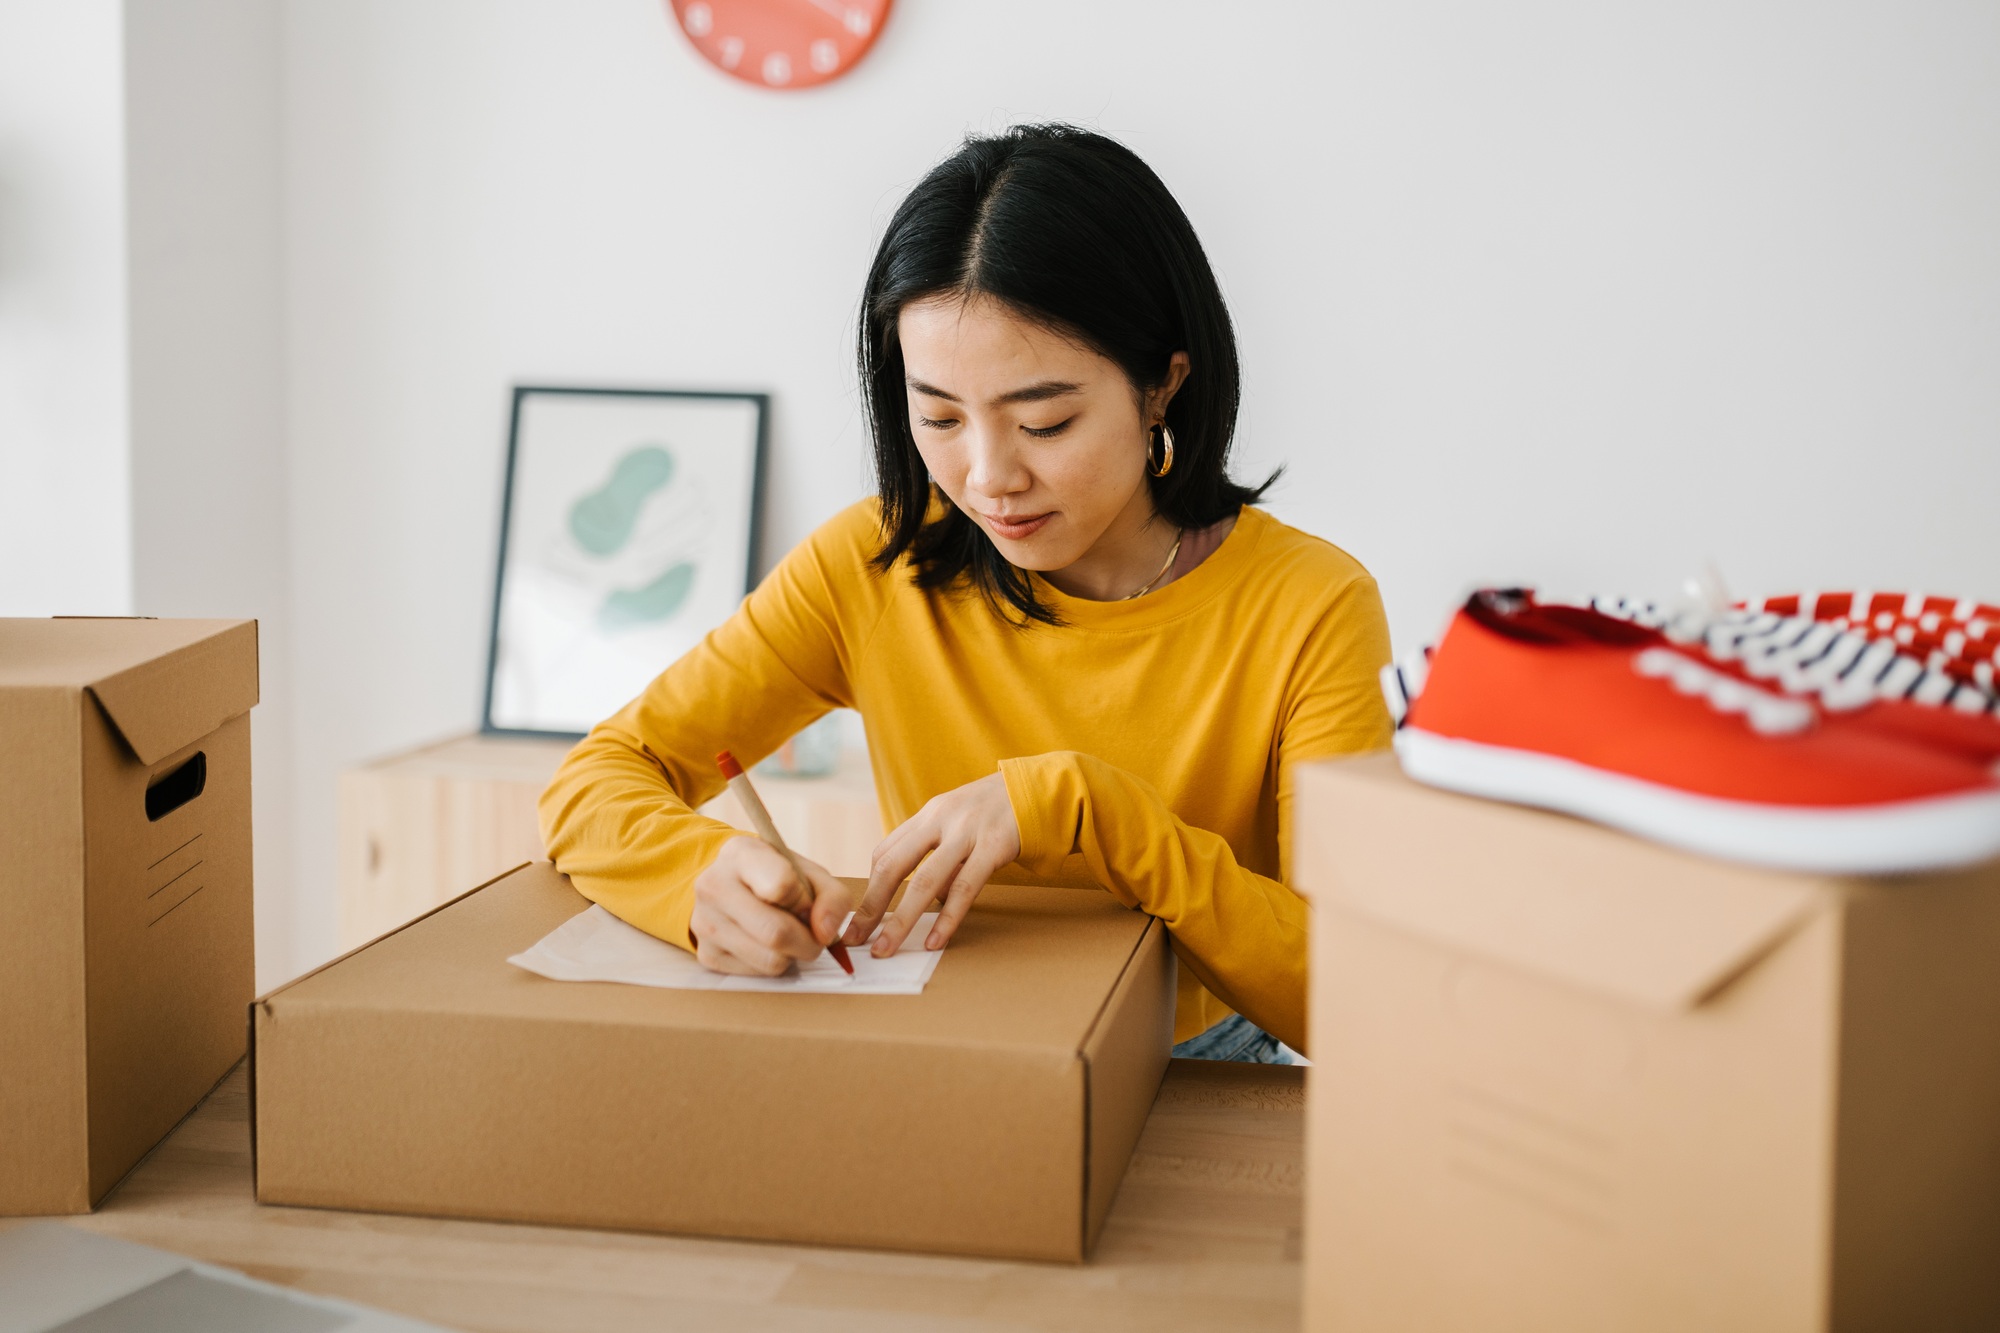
<point>1072,230</point>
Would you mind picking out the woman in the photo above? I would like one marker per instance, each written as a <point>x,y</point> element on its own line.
<point>1080,655</point>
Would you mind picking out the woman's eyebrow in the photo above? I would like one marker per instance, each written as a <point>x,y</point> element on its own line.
<point>1033,393</point>
<point>1039,393</point>
<point>929,392</point>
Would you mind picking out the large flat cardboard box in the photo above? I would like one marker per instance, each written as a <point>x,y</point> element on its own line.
<point>125,937</point>
<point>1566,1079</point>
<point>992,1115</point>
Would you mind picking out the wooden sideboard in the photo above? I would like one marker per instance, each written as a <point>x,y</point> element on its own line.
<point>419,827</point>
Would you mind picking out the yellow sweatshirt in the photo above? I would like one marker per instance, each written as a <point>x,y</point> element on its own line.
<point>1147,745</point>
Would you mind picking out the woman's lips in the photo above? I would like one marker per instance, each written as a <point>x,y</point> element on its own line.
<point>1018,527</point>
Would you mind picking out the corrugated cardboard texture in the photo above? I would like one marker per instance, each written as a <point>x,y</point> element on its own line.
<point>424,1074</point>
<point>1491,1150</point>
<point>1662,928</point>
<point>44,1130</point>
<point>179,695</point>
<point>125,941</point>
<point>1917,1203</point>
<point>1498,1139</point>
<point>168,940</point>
<point>78,651</point>
<point>1127,1055</point>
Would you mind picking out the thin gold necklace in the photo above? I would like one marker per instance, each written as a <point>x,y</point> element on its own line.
<point>1163,569</point>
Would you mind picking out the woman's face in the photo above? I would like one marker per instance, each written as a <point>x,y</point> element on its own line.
<point>1041,441</point>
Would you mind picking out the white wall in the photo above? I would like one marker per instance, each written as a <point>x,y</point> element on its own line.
<point>1611,289</point>
<point>207,454</point>
<point>65,530</point>
<point>1549,291</point>
<point>141,386</point>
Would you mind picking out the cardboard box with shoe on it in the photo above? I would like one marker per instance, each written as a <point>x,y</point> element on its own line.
<point>125,929</point>
<point>993,1114</point>
<point>1566,1079</point>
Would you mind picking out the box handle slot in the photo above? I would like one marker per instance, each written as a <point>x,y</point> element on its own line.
<point>175,789</point>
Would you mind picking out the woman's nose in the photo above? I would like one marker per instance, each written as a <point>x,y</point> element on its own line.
<point>995,468</point>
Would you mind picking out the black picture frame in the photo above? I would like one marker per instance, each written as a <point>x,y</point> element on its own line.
<point>521,397</point>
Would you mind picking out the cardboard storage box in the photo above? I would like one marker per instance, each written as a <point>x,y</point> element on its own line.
<point>1570,1080</point>
<point>994,1114</point>
<point>125,941</point>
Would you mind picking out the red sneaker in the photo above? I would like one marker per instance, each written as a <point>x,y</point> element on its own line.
<point>1778,740</point>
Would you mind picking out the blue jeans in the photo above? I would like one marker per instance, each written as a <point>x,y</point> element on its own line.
<point>1235,1038</point>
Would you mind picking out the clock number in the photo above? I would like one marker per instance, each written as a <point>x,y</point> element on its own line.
<point>781,43</point>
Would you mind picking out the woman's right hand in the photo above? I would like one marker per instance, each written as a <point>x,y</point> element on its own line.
<point>746,910</point>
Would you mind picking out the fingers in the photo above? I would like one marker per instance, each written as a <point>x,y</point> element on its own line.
<point>727,947</point>
<point>731,919</point>
<point>867,912</point>
<point>769,873</point>
<point>832,900</point>
<point>788,880</point>
<point>947,850</point>
<point>965,887</point>
<point>932,880</point>
<point>894,859</point>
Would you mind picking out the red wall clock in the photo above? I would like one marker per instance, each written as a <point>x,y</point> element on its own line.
<point>782,43</point>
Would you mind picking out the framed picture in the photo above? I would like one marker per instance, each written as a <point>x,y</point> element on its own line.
<point>627,533</point>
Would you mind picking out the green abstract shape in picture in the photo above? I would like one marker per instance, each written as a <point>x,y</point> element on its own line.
<point>658,600</point>
<point>602,521</point>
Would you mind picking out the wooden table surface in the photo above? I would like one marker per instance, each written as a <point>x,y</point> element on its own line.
<point>1204,1235</point>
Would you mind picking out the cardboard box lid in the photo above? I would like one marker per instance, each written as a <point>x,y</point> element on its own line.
<point>986,991</point>
<point>163,683</point>
<point>1544,892</point>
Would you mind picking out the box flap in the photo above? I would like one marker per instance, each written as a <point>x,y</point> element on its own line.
<point>75,651</point>
<point>171,700</point>
<point>1544,892</point>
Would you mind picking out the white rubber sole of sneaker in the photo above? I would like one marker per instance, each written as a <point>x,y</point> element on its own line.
<point>1935,833</point>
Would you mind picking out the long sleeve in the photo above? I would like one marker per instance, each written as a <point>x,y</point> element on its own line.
<point>1244,935</point>
<point>620,816</point>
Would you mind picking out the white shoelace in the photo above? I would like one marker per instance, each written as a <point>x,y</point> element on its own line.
<point>1802,656</point>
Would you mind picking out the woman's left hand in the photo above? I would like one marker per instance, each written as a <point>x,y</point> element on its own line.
<point>961,838</point>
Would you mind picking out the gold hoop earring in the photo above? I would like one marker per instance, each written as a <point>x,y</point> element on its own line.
<point>1165,464</point>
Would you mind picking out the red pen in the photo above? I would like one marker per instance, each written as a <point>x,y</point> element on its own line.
<point>760,819</point>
